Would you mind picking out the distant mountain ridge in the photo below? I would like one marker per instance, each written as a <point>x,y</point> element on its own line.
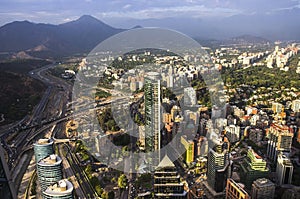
<point>44,40</point>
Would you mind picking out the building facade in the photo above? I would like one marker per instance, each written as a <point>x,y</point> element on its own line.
<point>167,181</point>
<point>42,149</point>
<point>153,116</point>
<point>235,190</point>
<point>262,188</point>
<point>49,171</point>
<point>280,140</point>
<point>284,169</point>
<point>252,168</point>
<point>62,189</point>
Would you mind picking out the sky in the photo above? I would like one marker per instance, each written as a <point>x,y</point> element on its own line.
<point>116,11</point>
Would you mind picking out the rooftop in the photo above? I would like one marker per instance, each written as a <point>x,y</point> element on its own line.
<point>61,187</point>
<point>50,160</point>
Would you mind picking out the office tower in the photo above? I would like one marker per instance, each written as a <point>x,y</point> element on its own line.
<point>190,98</point>
<point>7,189</point>
<point>262,188</point>
<point>296,105</point>
<point>293,193</point>
<point>255,135</point>
<point>175,110</point>
<point>280,140</point>
<point>252,168</point>
<point>232,133</point>
<point>167,181</point>
<point>284,169</point>
<point>49,171</point>
<point>153,119</point>
<point>218,169</point>
<point>62,189</point>
<point>43,148</point>
<point>235,190</point>
<point>276,107</point>
<point>189,149</point>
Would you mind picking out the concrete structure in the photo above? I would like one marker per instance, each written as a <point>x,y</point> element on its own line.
<point>280,140</point>
<point>284,170</point>
<point>235,190</point>
<point>7,187</point>
<point>153,117</point>
<point>189,149</point>
<point>218,168</point>
<point>43,148</point>
<point>190,98</point>
<point>62,189</point>
<point>49,171</point>
<point>296,105</point>
<point>252,168</point>
<point>233,133</point>
<point>277,107</point>
<point>262,188</point>
<point>167,181</point>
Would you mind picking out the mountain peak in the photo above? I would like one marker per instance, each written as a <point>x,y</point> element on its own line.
<point>87,18</point>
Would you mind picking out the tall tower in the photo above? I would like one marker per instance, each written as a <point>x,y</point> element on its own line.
<point>49,171</point>
<point>62,189</point>
<point>235,190</point>
<point>167,181</point>
<point>262,188</point>
<point>280,140</point>
<point>284,169</point>
<point>7,189</point>
<point>42,149</point>
<point>152,97</point>
<point>217,170</point>
<point>252,168</point>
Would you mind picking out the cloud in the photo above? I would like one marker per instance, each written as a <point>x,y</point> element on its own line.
<point>176,11</point>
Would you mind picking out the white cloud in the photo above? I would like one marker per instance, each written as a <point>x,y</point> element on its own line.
<point>177,11</point>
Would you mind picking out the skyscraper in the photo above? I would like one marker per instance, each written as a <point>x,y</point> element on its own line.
<point>280,140</point>
<point>235,190</point>
<point>252,168</point>
<point>296,105</point>
<point>262,188</point>
<point>153,121</point>
<point>167,181</point>
<point>7,189</point>
<point>42,149</point>
<point>49,171</point>
<point>284,169</point>
<point>218,169</point>
<point>62,189</point>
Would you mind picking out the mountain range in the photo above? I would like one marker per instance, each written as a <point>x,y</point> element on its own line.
<point>46,40</point>
<point>27,39</point>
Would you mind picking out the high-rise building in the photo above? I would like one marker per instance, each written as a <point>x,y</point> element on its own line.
<point>49,171</point>
<point>276,107</point>
<point>262,188</point>
<point>252,168</point>
<point>43,148</point>
<point>293,193</point>
<point>7,189</point>
<point>218,169</point>
<point>232,133</point>
<point>190,98</point>
<point>235,190</point>
<point>280,140</point>
<point>296,105</point>
<point>167,181</point>
<point>189,149</point>
<point>153,115</point>
<point>62,189</point>
<point>284,169</point>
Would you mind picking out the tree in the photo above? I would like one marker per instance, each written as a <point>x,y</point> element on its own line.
<point>122,181</point>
